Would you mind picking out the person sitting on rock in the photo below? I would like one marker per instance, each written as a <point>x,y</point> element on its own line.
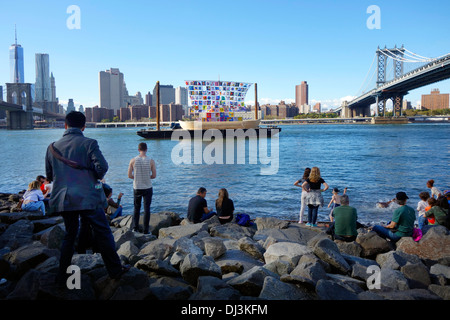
<point>345,225</point>
<point>33,199</point>
<point>198,208</point>
<point>114,208</point>
<point>402,224</point>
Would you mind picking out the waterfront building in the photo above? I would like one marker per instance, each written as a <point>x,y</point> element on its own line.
<point>181,98</point>
<point>318,107</point>
<point>301,94</point>
<point>406,105</point>
<point>112,89</point>
<point>148,99</point>
<point>97,114</point>
<point>305,108</point>
<point>435,100</point>
<point>166,95</point>
<point>16,68</point>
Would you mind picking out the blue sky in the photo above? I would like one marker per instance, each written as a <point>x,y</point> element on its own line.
<point>276,44</point>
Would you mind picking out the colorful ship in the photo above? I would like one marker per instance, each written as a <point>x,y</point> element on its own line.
<point>218,105</point>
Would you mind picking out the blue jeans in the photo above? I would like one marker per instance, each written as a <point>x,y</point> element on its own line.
<point>423,221</point>
<point>116,213</point>
<point>34,206</point>
<point>312,214</point>
<point>206,216</point>
<point>386,233</point>
<point>102,236</point>
<point>139,195</point>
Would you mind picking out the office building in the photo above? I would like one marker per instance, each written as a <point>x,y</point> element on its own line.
<point>70,106</point>
<point>148,99</point>
<point>181,98</point>
<point>43,88</point>
<point>317,107</point>
<point>435,100</point>
<point>166,95</point>
<point>17,74</point>
<point>112,89</point>
<point>301,94</point>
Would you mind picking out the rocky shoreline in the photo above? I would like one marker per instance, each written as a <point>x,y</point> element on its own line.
<point>272,260</point>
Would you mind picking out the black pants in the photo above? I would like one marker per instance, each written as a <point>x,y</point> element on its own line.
<point>103,239</point>
<point>139,195</point>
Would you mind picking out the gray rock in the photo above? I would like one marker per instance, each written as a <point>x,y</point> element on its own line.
<point>250,283</point>
<point>274,289</point>
<point>228,266</point>
<point>294,233</point>
<point>328,251</point>
<point>195,266</point>
<point>165,288</point>
<point>286,251</point>
<point>53,237</point>
<point>441,291</point>
<point>134,282</point>
<point>331,290</point>
<point>128,249</point>
<point>393,280</point>
<point>417,275</point>
<point>87,262</point>
<point>439,269</point>
<point>213,288</point>
<point>279,267</point>
<point>214,247</point>
<point>28,257</point>
<point>17,235</point>
<point>310,270</point>
<point>271,223</point>
<point>177,232</point>
<point>157,266</point>
<point>299,281</point>
<point>350,248</point>
<point>372,244</point>
<point>396,259</point>
<point>159,248</point>
<point>251,247</point>
<point>123,235</point>
<point>434,245</point>
<point>350,283</point>
<point>42,224</point>
<point>231,231</point>
<point>239,257</point>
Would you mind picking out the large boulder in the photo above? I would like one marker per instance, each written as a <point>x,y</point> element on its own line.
<point>214,247</point>
<point>372,244</point>
<point>271,223</point>
<point>250,283</point>
<point>275,289</point>
<point>195,266</point>
<point>434,245</point>
<point>328,251</point>
<point>231,231</point>
<point>18,234</point>
<point>177,232</point>
<point>213,288</point>
<point>286,251</point>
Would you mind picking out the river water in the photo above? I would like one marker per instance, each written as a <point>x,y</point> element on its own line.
<point>373,161</point>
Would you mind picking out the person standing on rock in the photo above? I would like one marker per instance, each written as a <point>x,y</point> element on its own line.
<point>299,183</point>
<point>142,170</point>
<point>314,198</point>
<point>75,164</point>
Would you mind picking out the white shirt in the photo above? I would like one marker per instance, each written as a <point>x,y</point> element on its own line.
<point>421,208</point>
<point>435,192</point>
<point>142,172</point>
<point>33,195</point>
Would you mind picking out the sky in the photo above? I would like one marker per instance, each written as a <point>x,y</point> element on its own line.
<point>276,44</point>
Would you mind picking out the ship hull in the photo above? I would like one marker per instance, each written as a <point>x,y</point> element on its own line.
<point>220,125</point>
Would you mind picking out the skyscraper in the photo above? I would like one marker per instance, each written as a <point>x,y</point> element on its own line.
<point>181,98</point>
<point>112,89</point>
<point>166,95</point>
<point>301,94</point>
<point>16,63</point>
<point>70,106</point>
<point>43,87</point>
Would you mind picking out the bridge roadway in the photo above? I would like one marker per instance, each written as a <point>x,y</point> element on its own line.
<point>430,73</point>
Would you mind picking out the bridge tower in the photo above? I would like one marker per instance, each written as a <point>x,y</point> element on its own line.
<point>383,55</point>
<point>19,94</point>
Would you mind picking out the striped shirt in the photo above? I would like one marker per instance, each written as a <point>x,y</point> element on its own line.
<point>142,173</point>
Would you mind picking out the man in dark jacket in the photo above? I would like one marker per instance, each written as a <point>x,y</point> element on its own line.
<point>75,164</point>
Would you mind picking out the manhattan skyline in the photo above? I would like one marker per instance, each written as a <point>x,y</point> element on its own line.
<point>275,44</point>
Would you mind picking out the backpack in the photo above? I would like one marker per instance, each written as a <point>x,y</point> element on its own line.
<point>243,219</point>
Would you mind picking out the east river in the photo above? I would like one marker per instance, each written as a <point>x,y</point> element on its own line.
<point>373,161</point>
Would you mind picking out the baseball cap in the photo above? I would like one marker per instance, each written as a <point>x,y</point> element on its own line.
<point>401,196</point>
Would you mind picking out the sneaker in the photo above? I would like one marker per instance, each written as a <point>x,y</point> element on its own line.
<point>314,225</point>
<point>3,280</point>
<point>308,224</point>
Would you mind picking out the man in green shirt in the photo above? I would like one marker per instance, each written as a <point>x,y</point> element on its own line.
<point>402,224</point>
<point>345,221</point>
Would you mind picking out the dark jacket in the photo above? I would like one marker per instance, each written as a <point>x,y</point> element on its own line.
<point>75,189</point>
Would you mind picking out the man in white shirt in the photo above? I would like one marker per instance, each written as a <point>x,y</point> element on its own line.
<point>142,170</point>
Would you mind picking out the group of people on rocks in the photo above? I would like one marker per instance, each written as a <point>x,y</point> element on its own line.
<point>432,210</point>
